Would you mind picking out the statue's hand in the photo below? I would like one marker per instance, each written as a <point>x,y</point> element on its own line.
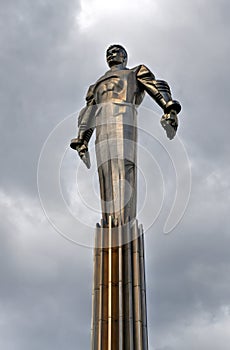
<point>81,146</point>
<point>82,149</point>
<point>169,122</point>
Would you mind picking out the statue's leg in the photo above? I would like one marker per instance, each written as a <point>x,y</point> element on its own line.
<point>105,180</point>
<point>124,190</point>
<point>117,179</point>
<point>130,191</point>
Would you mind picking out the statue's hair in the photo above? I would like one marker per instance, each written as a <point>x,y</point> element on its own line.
<point>120,47</point>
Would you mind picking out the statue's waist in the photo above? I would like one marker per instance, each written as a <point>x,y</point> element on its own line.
<point>116,107</point>
<point>117,101</point>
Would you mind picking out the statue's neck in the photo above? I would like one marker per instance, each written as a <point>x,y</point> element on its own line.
<point>118,67</point>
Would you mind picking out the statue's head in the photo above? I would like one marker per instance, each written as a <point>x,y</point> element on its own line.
<point>116,54</point>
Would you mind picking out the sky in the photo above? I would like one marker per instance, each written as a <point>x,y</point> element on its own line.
<point>51,51</point>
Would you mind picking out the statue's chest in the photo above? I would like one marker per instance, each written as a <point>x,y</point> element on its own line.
<point>112,86</point>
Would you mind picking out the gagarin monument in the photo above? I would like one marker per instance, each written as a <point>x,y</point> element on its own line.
<point>119,317</point>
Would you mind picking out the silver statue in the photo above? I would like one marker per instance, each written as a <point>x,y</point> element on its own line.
<point>111,109</point>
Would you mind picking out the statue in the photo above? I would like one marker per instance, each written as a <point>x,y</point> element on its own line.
<point>119,318</point>
<point>111,109</point>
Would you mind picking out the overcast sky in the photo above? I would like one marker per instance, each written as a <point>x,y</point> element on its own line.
<point>51,51</point>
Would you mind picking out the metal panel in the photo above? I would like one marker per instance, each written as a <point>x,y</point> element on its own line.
<point>119,319</point>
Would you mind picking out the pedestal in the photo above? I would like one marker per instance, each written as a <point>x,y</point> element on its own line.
<point>119,319</point>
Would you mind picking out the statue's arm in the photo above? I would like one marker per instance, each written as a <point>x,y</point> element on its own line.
<point>147,81</point>
<point>86,125</point>
<point>159,90</point>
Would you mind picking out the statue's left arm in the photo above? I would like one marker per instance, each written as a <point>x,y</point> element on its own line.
<point>159,90</point>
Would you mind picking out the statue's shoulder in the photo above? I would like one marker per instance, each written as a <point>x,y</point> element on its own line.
<point>102,77</point>
<point>90,93</point>
<point>136,68</point>
<point>141,69</point>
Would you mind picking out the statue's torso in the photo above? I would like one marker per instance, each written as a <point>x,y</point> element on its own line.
<point>116,94</point>
<point>119,86</point>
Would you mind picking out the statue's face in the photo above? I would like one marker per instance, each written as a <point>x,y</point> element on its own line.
<point>116,55</point>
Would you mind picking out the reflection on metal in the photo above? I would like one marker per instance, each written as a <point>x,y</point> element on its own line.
<point>119,319</point>
<point>111,110</point>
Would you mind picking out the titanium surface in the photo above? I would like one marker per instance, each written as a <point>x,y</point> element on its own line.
<point>119,316</point>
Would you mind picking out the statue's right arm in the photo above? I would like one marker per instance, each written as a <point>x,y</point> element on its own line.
<point>86,120</point>
<point>86,125</point>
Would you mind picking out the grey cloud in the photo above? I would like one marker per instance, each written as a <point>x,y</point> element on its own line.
<point>47,63</point>
<point>44,291</point>
<point>35,77</point>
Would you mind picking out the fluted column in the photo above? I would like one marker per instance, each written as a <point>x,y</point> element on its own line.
<point>119,320</point>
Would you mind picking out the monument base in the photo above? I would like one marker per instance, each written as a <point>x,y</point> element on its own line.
<point>119,320</point>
